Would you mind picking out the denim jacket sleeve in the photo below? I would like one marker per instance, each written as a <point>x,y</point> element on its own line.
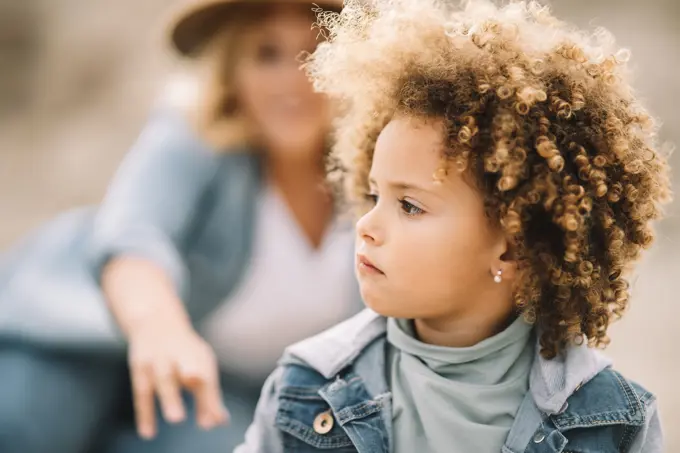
<point>650,437</point>
<point>263,436</point>
<point>150,204</point>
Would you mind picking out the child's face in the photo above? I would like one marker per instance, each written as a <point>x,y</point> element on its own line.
<point>431,246</point>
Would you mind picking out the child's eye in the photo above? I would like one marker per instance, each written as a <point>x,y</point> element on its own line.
<point>372,198</point>
<point>410,209</point>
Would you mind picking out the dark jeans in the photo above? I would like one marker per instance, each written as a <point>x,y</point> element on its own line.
<point>75,404</point>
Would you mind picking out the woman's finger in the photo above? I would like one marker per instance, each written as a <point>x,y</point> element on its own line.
<point>210,410</point>
<point>214,398</point>
<point>169,392</point>
<point>143,400</point>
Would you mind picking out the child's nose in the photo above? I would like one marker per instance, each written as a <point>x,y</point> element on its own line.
<point>368,228</point>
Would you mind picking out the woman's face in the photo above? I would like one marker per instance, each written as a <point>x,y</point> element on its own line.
<point>271,89</point>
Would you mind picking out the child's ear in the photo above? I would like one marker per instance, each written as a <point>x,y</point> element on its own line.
<point>504,264</point>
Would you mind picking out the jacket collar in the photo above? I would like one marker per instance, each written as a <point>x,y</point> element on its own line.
<point>331,351</point>
<point>551,382</point>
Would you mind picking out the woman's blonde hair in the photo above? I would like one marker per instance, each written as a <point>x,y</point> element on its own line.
<point>204,89</point>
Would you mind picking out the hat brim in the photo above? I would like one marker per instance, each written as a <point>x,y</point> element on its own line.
<point>195,25</point>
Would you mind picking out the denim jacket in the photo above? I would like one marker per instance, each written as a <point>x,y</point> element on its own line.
<point>173,201</point>
<point>330,394</point>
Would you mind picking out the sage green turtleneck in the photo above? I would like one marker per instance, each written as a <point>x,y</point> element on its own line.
<point>457,400</point>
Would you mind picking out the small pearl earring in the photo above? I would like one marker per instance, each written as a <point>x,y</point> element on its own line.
<point>497,278</point>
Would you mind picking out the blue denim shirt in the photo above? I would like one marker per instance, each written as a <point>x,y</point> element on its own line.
<point>173,201</point>
<point>575,403</point>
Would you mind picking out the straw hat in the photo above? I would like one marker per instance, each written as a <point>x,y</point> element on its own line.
<point>197,21</point>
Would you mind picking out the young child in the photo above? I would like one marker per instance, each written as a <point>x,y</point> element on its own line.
<point>511,176</point>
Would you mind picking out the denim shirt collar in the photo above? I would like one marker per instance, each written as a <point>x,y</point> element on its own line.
<point>551,382</point>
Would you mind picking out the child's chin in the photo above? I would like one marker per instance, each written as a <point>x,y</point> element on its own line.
<point>382,305</point>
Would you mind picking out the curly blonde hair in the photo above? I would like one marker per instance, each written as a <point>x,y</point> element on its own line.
<point>541,116</point>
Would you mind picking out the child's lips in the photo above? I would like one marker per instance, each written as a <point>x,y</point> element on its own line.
<point>364,265</point>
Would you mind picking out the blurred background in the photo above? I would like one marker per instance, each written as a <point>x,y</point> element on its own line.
<point>77,78</point>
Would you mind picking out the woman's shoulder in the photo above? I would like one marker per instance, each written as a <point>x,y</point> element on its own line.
<point>169,146</point>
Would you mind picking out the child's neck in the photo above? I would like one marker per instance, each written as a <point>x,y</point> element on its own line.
<point>488,317</point>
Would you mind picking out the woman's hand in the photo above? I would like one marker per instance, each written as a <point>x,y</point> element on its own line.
<point>166,358</point>
<point>166,355</point>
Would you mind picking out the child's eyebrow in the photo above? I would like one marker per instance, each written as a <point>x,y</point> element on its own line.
<point>400,185</point>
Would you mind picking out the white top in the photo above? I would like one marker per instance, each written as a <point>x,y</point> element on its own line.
<point>289,292</point>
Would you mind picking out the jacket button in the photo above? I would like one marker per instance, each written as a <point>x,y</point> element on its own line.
<point>539,437</point>
<point>323,423</point>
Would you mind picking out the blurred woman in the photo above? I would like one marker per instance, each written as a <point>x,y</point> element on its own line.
<point>216,246</point>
